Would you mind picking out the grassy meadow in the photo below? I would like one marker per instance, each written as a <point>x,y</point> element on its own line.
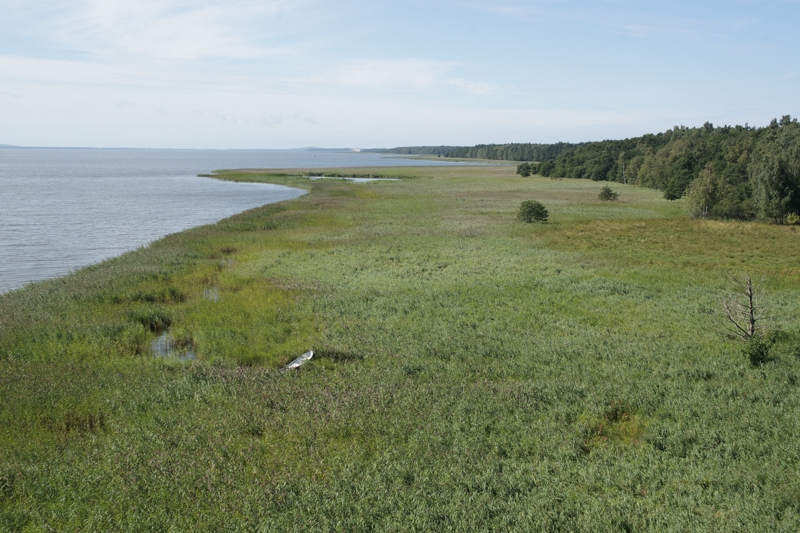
<point>471,372</point>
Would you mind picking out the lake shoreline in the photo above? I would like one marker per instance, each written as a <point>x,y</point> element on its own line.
<point>70,207</point>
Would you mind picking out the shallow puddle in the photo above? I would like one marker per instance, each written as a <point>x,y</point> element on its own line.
<point>164,346</point>
<point>357,180</point>
<point>211,294</point>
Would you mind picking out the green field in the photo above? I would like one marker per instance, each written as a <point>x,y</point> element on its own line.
<point>471,372</point>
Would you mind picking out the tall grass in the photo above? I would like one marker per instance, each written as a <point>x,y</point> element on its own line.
<point>471,372</point>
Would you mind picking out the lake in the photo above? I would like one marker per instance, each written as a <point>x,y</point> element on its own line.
<point>65,208</point>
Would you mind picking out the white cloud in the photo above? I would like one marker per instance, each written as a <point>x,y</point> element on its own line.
<point>392,73</point>
<point>425,76</point>
<point>65,71</point>
<point>165,29</point>
<point>474,87</point>
<point>129,74</point>
<point>305,72</point>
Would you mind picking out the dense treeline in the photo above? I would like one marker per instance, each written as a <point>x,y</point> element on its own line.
<point>726,172</point>
<point>507,152</point>
<point>418,150</point>
<point>736,172</point>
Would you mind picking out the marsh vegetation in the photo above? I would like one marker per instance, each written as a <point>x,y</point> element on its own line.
<point>470,372</point>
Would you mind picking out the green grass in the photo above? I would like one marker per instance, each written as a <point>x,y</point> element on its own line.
<point>472,373</point>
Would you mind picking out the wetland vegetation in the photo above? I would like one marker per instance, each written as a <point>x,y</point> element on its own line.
<point>471,372</point>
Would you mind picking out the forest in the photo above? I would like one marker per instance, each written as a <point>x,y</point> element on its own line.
<point>726,172</point>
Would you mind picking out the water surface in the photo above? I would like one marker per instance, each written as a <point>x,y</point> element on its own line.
<point>64,208</point>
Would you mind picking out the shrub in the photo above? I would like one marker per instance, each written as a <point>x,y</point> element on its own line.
<point>757,350</point>
<point>607,194</point>
<point>672,192</point>
<point>532,211</point>
<point>524,170</point>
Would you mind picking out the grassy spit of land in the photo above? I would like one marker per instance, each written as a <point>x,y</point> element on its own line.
<point>473,373</point>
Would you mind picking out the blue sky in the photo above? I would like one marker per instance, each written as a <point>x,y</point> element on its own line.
<point>281,74</point>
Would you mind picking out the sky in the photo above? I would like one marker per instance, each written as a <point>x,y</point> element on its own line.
<point>288,74</point>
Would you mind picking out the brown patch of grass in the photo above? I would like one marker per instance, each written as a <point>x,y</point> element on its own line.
<point>619,426</point>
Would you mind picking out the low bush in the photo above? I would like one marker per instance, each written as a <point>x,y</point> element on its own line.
<point>607,194</point>
<point>532,211</point>
<point>757,350</point>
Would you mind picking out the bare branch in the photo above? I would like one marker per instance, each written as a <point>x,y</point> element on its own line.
<point>744,314</point>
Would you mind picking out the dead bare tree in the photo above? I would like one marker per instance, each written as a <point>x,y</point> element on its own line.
<point>744,311</point>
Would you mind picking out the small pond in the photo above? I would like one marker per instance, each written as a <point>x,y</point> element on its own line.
<point>357,180</point>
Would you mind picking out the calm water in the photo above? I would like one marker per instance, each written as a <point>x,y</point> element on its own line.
<point>61,209</point>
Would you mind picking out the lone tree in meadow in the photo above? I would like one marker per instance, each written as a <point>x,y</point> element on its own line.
<point>524,170</point>
<point>746,316</point>
<point>607,194</point>
<point>532,211</point>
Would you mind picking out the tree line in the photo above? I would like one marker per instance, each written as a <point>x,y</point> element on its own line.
<point>738,172</point>
<point>503,152</point>
<point>735,172</point>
